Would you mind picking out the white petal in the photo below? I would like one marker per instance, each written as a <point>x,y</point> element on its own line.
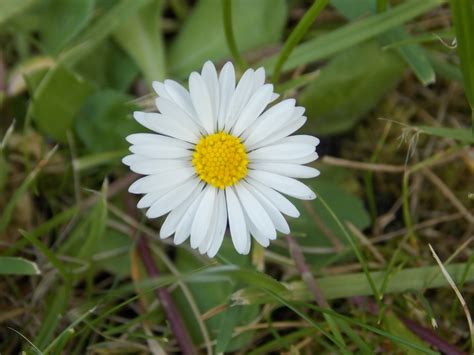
<point>172,220</point>
<point>160,89</point>
<point>300,139</point>
<point>181,97</point>
<point>183,230</point>
<point>283,184</point>
<point>160,181</point>
<point>275,116</point>
<point>173,111</point>
<point>255,212</point>
<point>284,151</point>
<point>253,109</point>
<point>258,236</point>
<point>241,96</point>
<point>277,199</point>
<point>148,166</point>
<point>221,224</point>
<point>303,160</point>
<point>131,159</point>
<point>290,170</point>
<point>259,78</point>
<point>275,135</point>
<point>172,199</point>
<point>209,75</point>
<point>160,151</point>
<point>151,138</point>
<point>202,219</point>
<point>238,228</point>
<point>277,218</point>
<point>156,122</point>
<point>226,91</point>
<point>201,101</point>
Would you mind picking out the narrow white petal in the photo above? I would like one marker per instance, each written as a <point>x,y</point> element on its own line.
<point>183,229</point>
<point>181,97</point>
<point>290,170</point>
<point>209,75</point>
<point>238,228</point>
<point>226,91</point>
<point>277,199</point>
<point>151,138</point>
<point>131,159</point>
<point>172,220</point>
<point>160,89</point>
<point>292,126</point>
<point>202,219</point>
<point>274,117</point>
<point>160,151</point>
<point>259,78</point>
<point>283,184</point>
<point>173,111</point>
<point>149,199</point>
<point>284,151</point>
<point>148,166</point>
<point>172,199</point>
<point>221,224</point>
<point>160,181</point>
<point>253,109</point>
<point>201,101</point>
<point>303,160</point>
<point>300,139</point>
<point>167,126</point>
<point>277,218</point>
<point>255,212</point>
<point>241,96</point>
<point>256,233</point>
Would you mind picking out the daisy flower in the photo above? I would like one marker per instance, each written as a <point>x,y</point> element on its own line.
<point>221,157</point>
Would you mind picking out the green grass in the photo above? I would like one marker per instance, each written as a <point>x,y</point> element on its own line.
<point>385,92</point>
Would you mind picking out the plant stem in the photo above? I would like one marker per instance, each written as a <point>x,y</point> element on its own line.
<point>296,36</point>
<point>229,35</point>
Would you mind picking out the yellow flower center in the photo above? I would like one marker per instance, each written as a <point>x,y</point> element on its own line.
<point>220,159</point>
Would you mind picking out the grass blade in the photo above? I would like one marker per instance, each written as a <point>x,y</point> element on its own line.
<point>10,265</point>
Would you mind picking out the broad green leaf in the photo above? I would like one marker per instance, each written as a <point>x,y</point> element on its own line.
<point>256,24</point>
<point>346,206</point>
<point>57,101</point>
<point>212,294</point>
<point>354,33</point>
<point>10,8</point>
<point>395,326</point>
<point>463,18</point>
<point>108,67</point>
<point>356,284</point>
<point>412,53</point>
<point>462,135</point>
<point>105,120</point>
<point>140,36</point>
<point>61,20</point>
<point>10,265</point>
<point>349,86</point>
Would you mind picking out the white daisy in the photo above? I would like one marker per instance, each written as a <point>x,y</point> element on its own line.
<point>218,158</point>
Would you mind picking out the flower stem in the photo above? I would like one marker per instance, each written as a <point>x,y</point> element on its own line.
<point>229,35</point>
<point>296,36</point>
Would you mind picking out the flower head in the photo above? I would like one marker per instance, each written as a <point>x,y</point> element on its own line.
<point>219,157</point>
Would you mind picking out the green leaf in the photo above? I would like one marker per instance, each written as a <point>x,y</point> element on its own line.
<point>57,100</point>
<point>356,284</point>
<point>116,246</point>
<point>256,24</point>
<point>354,33</point>
<point>350,85</point>
<point>105,120</point>
<point>61,20</point>
<point>10,8</point>
<point>108,67</point>
<point>463,18</point>
<point>10,265</point>
<point>395,326</point>
<point>140,36</point>
<point>462,135</point>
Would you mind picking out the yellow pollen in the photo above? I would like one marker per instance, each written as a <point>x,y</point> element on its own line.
<point>220,160</point>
